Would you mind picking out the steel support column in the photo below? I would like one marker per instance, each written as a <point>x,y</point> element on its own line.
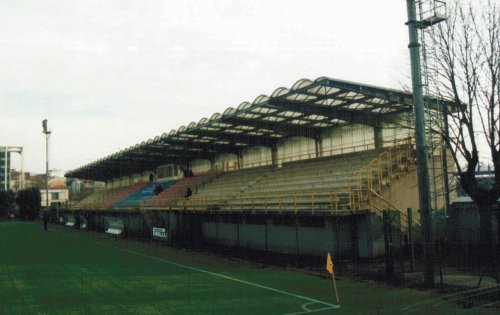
<point>422,169</point>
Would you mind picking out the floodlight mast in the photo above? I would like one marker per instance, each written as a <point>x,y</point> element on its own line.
<point>47,134</point>
<point>418,104</point>
<point>5,168</point>
<point>7,173</point>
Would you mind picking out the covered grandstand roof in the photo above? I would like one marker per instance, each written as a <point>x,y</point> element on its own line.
<point>306,109</point>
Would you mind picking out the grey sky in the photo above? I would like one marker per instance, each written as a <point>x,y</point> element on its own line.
<point>110,74</point>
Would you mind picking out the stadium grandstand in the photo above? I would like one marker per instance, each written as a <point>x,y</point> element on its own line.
<point>309,169</point>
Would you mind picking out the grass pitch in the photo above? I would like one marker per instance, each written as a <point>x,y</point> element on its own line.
<point>64,271</point>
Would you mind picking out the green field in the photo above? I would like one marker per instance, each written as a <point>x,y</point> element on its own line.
<point>66,271</point>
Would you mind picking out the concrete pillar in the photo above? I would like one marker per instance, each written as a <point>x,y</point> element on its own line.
<point>318,146</point>
<point>274,154</point>
<point>240,160</point>
<point>212,164</point>
<point>377,134</point>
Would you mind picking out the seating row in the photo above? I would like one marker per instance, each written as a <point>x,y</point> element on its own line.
<point>170,197</point>
<point>145,193</point>
<point>334,183</point>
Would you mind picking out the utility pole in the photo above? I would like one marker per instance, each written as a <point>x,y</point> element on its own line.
<point>47,134</point>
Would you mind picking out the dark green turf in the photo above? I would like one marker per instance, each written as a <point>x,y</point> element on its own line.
<point>65,271</point>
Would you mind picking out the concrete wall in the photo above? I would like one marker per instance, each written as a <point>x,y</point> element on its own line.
<point>256,156</point>
<point>403,192</point>
<point>253,236</point>
<point>296,148</point>
<point>341,235</point>
<point>315,240</point>
<point>210,232</point>
<point>225,161</point>
<point>464,224</point>
<point>395,131</point>
<point>201,166</point>
<point>349,138</point>
<point>359,235</point>
<point>228,234</point>
<point>281,239</point>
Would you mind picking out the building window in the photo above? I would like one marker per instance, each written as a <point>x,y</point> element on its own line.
<point>54,196</point>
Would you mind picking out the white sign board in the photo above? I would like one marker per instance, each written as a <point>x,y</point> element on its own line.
<point>160,233</point>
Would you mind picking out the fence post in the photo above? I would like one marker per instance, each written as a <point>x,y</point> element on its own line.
<point>296,240</point>
<point>409,217</point>
<point>389,257</point>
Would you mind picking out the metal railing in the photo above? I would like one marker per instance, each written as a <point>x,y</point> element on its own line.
<point>389,164</point>
<point>318,201</point>
<point>379,204</point>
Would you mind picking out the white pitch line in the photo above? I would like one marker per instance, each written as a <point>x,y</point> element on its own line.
<point>331,306</point>
<point>304,306</point>
<point>314,311</point>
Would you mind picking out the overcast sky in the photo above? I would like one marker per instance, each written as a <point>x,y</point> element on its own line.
<point>110,74</point>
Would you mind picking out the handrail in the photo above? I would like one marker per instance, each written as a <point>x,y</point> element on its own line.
<point>376,166</point>
<point>146,217</point>
<point>391,205</point>
<point>314,200</point>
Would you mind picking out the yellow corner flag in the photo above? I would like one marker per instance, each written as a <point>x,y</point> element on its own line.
<point>329,263</point>
<point>329,267</point>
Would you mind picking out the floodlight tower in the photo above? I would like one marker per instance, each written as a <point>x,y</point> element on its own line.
<point>47,134</point>
<point>5,182</point>
<point>414,25</point>
<point>7,172</point>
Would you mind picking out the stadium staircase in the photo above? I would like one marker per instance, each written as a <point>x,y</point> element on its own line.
<point>147,218</point>
<point>379,204</point>
<point>382,172</point>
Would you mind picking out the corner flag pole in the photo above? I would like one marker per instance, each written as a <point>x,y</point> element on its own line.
<point>329,267</point>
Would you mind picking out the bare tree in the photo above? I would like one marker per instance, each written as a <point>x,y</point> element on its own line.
<point>467,71</point>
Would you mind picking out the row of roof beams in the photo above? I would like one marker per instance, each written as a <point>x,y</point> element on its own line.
<point>306,109</point>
